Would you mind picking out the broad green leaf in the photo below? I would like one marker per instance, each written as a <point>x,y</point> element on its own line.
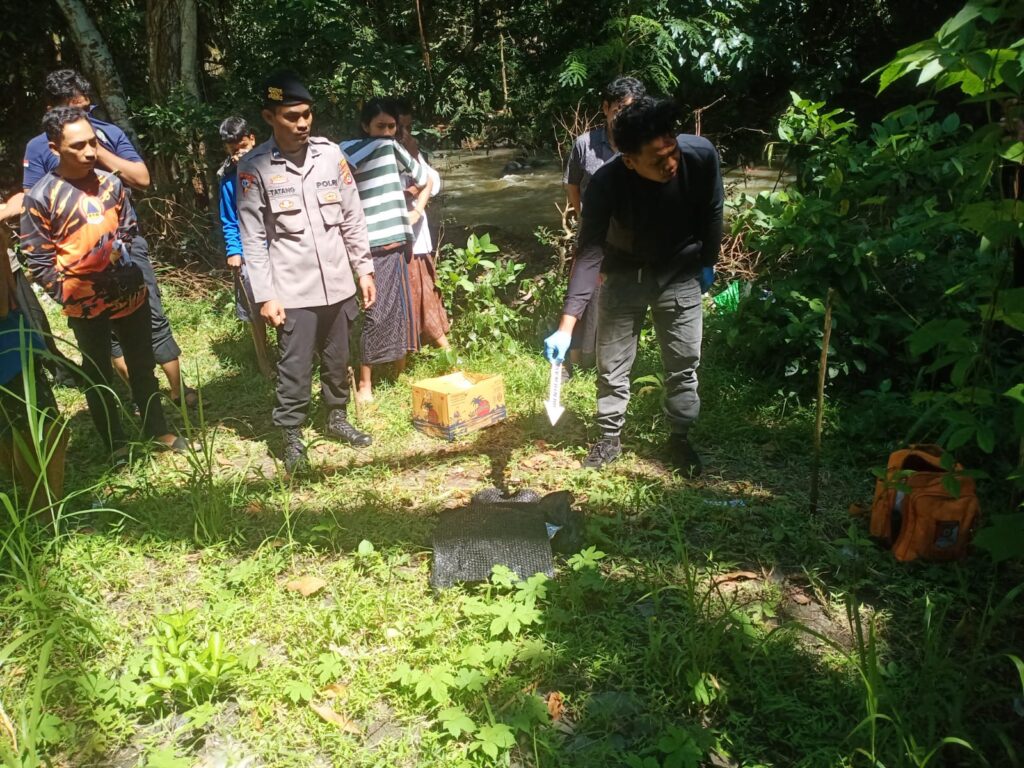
<point>967,14</point>
<point>467,679</point>
<point>930,71</point>
<point>1016,393</point>
<point>365,548</point>
<point>986,438</point>
<point>934,332</point>
<point>959,438</point>
<point>1014,153</point>
<point>1003,537</point>
<point>436,681</point>
<point>495,738</point>
<point>456,721</point>
<point>298,691</point>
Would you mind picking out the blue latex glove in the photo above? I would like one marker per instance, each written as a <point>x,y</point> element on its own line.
<point>556,345</point>
<point>707,279</point>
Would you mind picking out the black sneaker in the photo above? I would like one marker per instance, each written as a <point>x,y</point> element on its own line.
<point>684,458</point>
<point>295,459</point>
<point>604,451</point>
<point>339,428</point>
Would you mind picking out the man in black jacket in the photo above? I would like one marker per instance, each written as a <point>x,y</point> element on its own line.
<point>652,225</point>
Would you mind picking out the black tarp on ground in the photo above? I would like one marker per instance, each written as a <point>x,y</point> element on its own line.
<point>518,532</point>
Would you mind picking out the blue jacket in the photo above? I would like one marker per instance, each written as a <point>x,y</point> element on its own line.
<point>15,334</point>
<point>228,175</point>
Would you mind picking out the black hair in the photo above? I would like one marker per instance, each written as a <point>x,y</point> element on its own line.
<point>55,120</point>
<point>64,84</point>
<point>233,129</point>
<point>642,121</point>
<point>402,105</point>
<point>375,107</point>
<point>624,88</point>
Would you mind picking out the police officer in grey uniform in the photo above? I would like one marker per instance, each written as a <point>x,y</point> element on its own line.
<point>304,240</point>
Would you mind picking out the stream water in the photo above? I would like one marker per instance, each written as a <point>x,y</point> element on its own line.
<point>477,196</point>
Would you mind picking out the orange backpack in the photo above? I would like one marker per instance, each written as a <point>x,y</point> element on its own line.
<point>914,512</point>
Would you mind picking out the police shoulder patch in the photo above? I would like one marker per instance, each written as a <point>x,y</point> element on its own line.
<point>246,180</point>
<point>344,171</point>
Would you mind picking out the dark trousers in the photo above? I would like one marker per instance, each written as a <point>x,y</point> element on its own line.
<point>678,323</point>
<point>306,332</point>
<point>134,333</point>
<point>165,348</point>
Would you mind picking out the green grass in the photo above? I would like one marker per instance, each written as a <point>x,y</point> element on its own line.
<point>825,653</point>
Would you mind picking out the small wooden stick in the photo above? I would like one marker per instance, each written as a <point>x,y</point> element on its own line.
<point>820,415</point>
<point>257,326</point>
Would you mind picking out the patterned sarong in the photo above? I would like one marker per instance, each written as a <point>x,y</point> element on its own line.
<point>389,327</point>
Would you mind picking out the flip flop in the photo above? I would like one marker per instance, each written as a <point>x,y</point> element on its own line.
<point>191,398</point>
<point>180,445</point>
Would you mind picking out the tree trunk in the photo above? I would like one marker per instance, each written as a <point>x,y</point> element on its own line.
<point>423,37</point>
<point>98,63</point>
<point>190,46</point>
<point>163,31</point>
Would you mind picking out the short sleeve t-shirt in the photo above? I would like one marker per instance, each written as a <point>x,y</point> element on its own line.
<point>589,152</point>
<point>39,160</point>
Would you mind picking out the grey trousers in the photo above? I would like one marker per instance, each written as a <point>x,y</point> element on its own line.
<point>678,323</point>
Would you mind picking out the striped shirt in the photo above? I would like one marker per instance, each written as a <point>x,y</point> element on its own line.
<point>378,165</point>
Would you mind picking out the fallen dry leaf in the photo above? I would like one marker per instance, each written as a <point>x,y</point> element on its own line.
<point>335,691</point>
<point>798,597</point>
<point>535,462</point>
<point>541,444</point>
<point>734,576</point>
<point>336,718</point>
<point>306,585</point>
<point>857,510</point>
<point>556,705</point>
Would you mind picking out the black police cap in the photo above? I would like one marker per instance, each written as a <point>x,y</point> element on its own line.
<point>284,89</point>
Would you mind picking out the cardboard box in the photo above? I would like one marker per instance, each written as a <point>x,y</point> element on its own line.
<point>455,405</point>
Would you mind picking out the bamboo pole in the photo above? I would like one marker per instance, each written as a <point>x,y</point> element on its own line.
<point>504,72</point>
<point>820,414</point>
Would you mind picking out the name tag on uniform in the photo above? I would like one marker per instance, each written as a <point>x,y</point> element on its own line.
<point>284,204</point>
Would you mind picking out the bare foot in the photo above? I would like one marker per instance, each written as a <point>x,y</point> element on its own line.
<point>364,395</point>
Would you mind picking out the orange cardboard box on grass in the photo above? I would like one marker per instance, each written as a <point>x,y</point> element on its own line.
<point>455,405</point>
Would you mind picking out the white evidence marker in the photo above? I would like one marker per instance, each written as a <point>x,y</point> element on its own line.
<point>553,404</point>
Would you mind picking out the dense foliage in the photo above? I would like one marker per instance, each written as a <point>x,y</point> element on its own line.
<point>210,611</point>
<point>478,71</point>
<point>910,232</point>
